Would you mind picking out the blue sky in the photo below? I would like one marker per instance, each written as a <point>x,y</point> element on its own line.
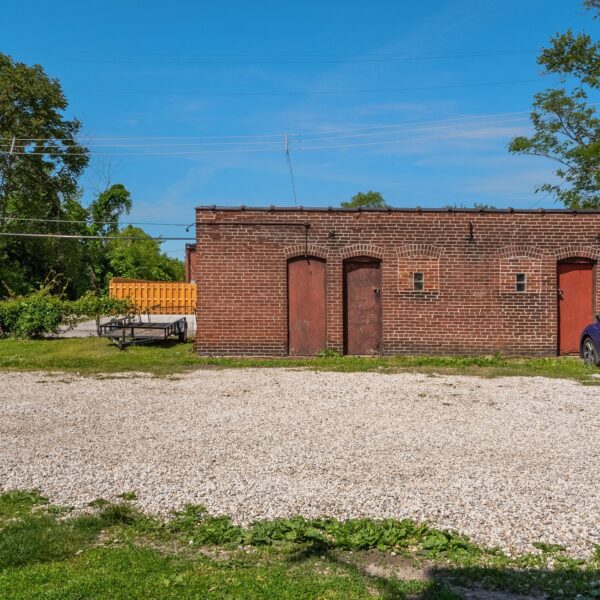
<point>417,100</point>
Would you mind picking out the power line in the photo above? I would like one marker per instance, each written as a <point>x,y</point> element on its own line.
<point>91,222</point>
<point>208,137</point>
<point>331,136</point>
<point>398,141</point>
<point>539,200</point>
<point>295,137</point>
<point>463,119</point>
<point>416,129</point>
<point>133,154</point>
<point>108,145</point>
<point>286,58</point>
<point>304,148</point>
<point>92,237</point>
<point>310,93</point>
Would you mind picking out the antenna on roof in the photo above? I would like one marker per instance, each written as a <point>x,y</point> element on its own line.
<point>289,162</point>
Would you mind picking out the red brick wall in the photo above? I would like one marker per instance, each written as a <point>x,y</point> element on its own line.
<point>469,305</point>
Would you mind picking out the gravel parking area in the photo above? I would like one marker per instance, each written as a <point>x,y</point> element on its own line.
<point>508,461</point>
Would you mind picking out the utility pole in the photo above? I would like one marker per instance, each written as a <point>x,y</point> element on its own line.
<point>286,145</point>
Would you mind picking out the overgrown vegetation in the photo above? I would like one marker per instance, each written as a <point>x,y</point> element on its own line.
<point>368,199</point>
<point>42,313</point>
<point>115,551</point>
<point>40,167</point>
<point>94,355</point>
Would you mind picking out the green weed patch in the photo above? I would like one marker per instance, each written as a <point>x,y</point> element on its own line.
<point>115,551</point>
<point>94,356</point>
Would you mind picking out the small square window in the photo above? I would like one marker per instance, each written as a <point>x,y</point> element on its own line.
<point>521,282</point>
<point>418,282</point>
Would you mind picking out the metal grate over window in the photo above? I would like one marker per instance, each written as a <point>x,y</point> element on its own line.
<point>418,282</point>
<point>521,282</point>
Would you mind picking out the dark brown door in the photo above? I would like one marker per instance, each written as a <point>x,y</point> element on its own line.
<point>362,306</point>
<point>306,306</point>
<point>575,303</point>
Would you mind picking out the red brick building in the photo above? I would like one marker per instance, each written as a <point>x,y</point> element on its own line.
<point>284,281</point>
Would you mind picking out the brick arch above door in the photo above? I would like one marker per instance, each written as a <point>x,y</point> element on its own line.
<point>299,250</point>
<point>361,250</point>
<point>577,251</point>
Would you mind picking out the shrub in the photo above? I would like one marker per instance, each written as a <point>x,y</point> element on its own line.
<point>32,316</point>
<point>92,306</point>
<point>42,313</point>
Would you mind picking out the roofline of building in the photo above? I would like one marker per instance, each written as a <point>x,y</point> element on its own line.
<point>415,209</point>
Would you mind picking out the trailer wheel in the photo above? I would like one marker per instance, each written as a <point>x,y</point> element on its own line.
<point>182,336</point>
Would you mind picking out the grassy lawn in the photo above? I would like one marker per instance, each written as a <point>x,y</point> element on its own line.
<point>93,355</point>
<point>116,552</point>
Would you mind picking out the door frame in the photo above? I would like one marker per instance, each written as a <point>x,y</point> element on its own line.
<point>289,260</point>
<point>359,259</point>
<point>573,260</point>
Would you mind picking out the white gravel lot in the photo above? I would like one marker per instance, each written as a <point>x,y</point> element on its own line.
<point>507,461</point>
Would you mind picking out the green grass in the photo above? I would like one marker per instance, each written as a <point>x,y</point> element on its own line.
<point>97,356</point>
<point>116,552</point>
<point>18,503</point>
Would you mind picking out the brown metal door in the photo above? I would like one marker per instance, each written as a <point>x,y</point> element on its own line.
<point>362,306</point>
<point>306,306</point>
<point>575,303</point>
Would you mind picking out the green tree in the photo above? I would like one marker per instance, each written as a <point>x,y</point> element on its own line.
<point>368,199</point>
<point>138,256</point>
<point>566,126</point>
<point>40,162</point>
<point>104,213</point>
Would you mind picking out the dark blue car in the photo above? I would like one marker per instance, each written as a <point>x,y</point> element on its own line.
<point>590,343</point>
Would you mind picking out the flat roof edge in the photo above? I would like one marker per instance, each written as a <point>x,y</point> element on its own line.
<point>415,209</point>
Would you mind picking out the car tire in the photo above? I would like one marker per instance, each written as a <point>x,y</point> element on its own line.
<point>589,352</point>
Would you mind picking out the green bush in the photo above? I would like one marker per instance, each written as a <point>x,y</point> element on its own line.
<point>92,306</point>
<point>42,313</point>
<point>32,316</point>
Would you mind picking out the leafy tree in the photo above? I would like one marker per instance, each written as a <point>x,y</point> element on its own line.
<point>566,125</point>
<point>107,208</point>
<point>40,162</point>
<point>104,213</point>
<point>368,199</point>
<point>141,258</point>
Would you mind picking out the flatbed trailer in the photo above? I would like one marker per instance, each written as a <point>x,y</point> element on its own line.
<point>127,331</point>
